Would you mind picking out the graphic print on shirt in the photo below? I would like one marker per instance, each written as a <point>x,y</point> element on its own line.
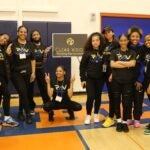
<point>107,50</point>
<point>60,89</point>
<point>1,55</point>
<point>22,50</point>
<point>38,53</point>
<point>96,58</point>
<point>123,57</point>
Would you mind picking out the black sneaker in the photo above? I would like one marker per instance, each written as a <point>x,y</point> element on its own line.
<point>70,118</point>
<point>51,116</point>
<point>147,131</point>
<point>21,116</point>
<point>125,127</point>
<point>119,127</point>
<point>29,119</point>
<point>147,126</point>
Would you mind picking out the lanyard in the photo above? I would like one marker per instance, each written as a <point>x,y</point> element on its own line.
<point>22,47</point>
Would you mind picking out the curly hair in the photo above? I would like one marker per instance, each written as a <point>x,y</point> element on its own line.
<point>88,45</point>
<point>135,29</point>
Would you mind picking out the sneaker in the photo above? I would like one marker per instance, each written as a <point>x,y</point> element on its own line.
<point>21,116</point>
<point>96,118</point>
<point>119,127</point>
<point>129,122</point>
<point>71,115</point>
<point>10,122</point>
<point>147,131</point>
<point>137,124</point>
<point>32,112</point>
<point>87,120</point>
<point>108,122</point>
<point>147,126</point>
<point>70,118</point>
<point>29,119</point>
<point>125,127</point>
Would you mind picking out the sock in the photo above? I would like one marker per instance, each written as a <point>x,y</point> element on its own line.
<point>6,117</point>
<point>119,120</point>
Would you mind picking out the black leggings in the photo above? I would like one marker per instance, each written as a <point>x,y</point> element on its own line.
<point>6,96</point>
<point>94,90</point>
<point>110,94</point>
<point>137,103</point>
<point>40,78</point>
<point>122,92</point>
<point>21,82</point>
<point>69,105</point>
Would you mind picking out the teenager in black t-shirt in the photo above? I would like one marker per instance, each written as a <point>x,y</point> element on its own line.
<point>22,66</point>
<point>60,91</point>
<point>123,61</point>
<point>4,91</point>
<point>91,74</point>
<point>110,45</point>
<point>40,53</point>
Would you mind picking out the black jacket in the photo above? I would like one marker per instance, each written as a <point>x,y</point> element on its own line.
<point>91,65</point>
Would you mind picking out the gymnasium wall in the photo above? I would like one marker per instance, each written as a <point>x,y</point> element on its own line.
<point>84,15</point>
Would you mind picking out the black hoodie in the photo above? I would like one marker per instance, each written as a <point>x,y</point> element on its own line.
<point>91,65</point>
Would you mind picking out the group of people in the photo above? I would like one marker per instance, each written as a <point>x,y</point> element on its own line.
<point>22,62</point>
<point>123,64</point>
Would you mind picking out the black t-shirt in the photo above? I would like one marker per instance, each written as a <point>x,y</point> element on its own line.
<point>2,63</point>
<point>21,57</point>
<point>38,51</point>
<point>109,47</point>
<point>146,60</point>
<point>91,65</point>
<point>61,89</point>
<point>123,75</point>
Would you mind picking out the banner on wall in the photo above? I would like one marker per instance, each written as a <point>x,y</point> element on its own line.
<point>68,45</point>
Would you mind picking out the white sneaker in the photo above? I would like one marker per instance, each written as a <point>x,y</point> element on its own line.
<point>96,118</point>
<point>87,120</point>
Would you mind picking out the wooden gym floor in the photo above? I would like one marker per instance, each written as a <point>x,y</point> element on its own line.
<point>72,135</point>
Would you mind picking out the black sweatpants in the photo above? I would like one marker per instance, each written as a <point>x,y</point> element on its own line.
<point>71,106</point>
<point>21,82</point>
<point>94,90</point>
<point>122,92</point>
<point>40,78</point>
<point>137,103</point>
<point>6,96</point>
<point>110,94</point>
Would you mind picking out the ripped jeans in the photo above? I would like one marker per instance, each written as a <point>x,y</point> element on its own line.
<point>122,92</point>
